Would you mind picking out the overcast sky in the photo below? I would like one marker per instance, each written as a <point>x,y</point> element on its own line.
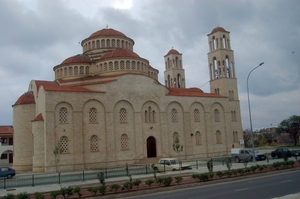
<point>37,35</point>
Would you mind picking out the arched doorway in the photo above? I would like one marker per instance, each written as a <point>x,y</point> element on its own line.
<point>151,147</point>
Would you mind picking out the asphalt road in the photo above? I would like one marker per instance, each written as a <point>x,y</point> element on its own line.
<point>277,185</point>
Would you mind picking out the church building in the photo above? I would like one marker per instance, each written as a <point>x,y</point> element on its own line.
<point>106,107</point>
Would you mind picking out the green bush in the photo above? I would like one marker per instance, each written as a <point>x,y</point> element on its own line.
<point>211,175</point>
<point>291,163</point>
<point>93,190</point>
<point>228,173</point>
<point>9,196</point>
<point>159,180</point>
<point>196,176</point>
<point>276,165</point>
<point>54,194</point>
<point>220,174</point>
<point>102,189</point>
<point>253,168</point>
<point>38,195</point>
<point>127,185</point>
<point>66,192</point>
<point>204,177</point>
<point>234,172</point>
<point>149,182</point>
<point>23,195</point>
<point>178,179</point>
<point>241,171</point>
<point>247,170</point>
<point>137,183</point>
<point>114,187</point>
<point>167,181</point>
<point>77,190</point>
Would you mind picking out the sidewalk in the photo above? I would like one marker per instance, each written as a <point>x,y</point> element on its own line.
<point>49,188</point>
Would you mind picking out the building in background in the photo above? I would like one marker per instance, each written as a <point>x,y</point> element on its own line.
<point>106,107</point>
<point>6,145</point>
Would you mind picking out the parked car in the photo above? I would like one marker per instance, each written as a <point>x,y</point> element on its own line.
<point>169,164</point>
<point>242,154</point>
<point>7,172</point>
<point>281,152</point>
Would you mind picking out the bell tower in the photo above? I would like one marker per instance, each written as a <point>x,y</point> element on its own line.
<point>221,64</point>
<point>174,72</point>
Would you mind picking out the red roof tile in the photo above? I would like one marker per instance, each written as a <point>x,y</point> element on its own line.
<point>196,92</point>
<point>173,51</point>
<point>217,29</point>
<point>6,129</point>
<point>107,32</point>
<point>39,117</point>
<point>120,52</point>
<point>77,59</point>
<point>54,86</point>
<point>26,98</point>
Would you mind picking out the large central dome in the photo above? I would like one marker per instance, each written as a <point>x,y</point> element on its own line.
<point>107,32</point>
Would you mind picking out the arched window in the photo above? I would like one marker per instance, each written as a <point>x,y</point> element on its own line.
<point>198,138</point>
<point>70,71</point>
<point>123,115</point>
<point>107,43</point>
<point>94,143</point>
<point>146,116</point>
<point>76,70</point>
<point>127,65</point>
<point>63,115</point>
<point>102,43</point>
<point>196,115</point>
<point>218,137</point>
<point>153,116</point>
<point>81,70</point>
<point>124,142</point>
<point>98,44</point>
<point>174,115</point>
<point>116,65</point>
<point>217,115</point>
<point>93,115</point>
<point>64,144</point>
<point>87,70</point>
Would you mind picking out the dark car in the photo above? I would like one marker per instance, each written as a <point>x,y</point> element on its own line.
<point>282,152</point>
<point>7,172</point>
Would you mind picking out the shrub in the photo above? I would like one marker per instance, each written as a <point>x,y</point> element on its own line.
<point>178,179</point>
<point>23,195</point>
<point>211,175</point>
<point>38,195</point>
<point>167,181</point>
<point>228,173</point>
<point>66,192</point>
<point>114,187</point>
<point>234,172</point>
<point>241,171</point>
<point>220,174</point>
<point>127,185</point>
<point>93,190</point>
<point>247,170</point>
<point>253,168</point>
<point>149,182</point>
<point>9,196</point>
<point>54,194</point>
<point>276,165</point>
<point>291,163</point>
<point>204,177</point>
<point>196,176</point>
<point>102,189</point>
<point>159,180</point>
<point>137,183</point>
<point>77,190</point>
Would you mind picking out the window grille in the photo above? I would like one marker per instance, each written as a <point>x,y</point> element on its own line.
<point>123,115</point>
<point>93,115</point>
<point>94,143</point>
<point>63,115</point>
<point>64,144</point>
<point>124,142</point>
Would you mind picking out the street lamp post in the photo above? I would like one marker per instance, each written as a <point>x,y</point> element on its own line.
<point>251,129</point>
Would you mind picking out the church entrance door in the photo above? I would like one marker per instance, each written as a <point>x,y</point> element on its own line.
<point>151,147</point>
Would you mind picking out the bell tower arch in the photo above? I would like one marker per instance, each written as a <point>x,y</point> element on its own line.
<point>174,72</point>
<point>221,64</point>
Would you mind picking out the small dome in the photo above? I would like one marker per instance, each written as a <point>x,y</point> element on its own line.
<point>107,32</point>
<point>173,52</point>
<point>77,59</point>
<point>218,29</point>
<point>120,52</point>
<point>26,98</point>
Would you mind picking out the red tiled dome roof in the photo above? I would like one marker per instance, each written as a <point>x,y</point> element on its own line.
<point>26,98</point>
<point>39,117</point>
<point>216,29</point>
<point>107,32</point>
<point>120,52</point>
<point>77,59</point>
<point>173,51</point>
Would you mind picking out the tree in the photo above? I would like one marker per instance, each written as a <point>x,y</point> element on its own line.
<point>291,126</point>
<point>57,151</point>
<point>177,148</point>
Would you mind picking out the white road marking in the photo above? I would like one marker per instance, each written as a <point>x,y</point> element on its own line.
<point>285,181</point>
<point>241,189</point>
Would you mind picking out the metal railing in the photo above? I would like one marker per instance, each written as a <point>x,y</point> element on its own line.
<point>27,180</point>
